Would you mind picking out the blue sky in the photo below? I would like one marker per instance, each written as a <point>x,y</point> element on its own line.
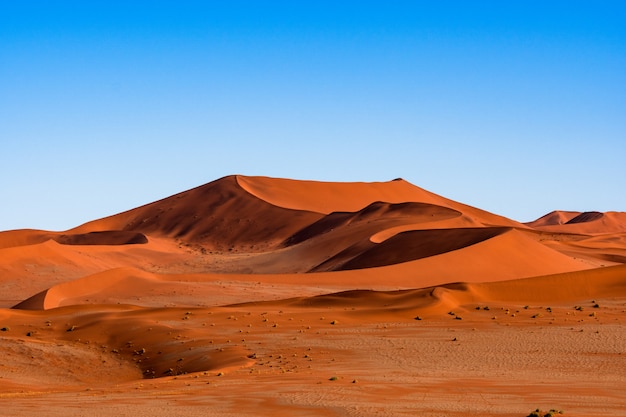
<point>514,107</point>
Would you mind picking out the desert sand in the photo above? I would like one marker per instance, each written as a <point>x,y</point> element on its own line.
<point>254,296</point>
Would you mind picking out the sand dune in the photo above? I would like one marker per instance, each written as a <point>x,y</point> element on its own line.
<point>220,215</point>
<point>328,197</point>
<point>584,223</point>
<point>554,218</point>
<point>412,245</point>
<point>266,296</point>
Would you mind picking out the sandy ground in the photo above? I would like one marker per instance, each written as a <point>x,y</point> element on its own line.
<point>258,296</point>
<point>490,363</point>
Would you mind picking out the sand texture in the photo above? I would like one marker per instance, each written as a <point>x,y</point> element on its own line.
<point>254,296</point>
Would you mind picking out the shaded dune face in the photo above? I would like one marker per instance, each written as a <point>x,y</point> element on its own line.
<point>105,237</point>
<point>109,237</point>
<point>408,246</point>
<point>587,216</point>
<point>405,212</point>
<point>219,216</point>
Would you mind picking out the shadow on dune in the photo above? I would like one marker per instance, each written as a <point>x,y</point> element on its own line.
<point>377,211</point>
<point>109,237</point>
<point>407,246</point>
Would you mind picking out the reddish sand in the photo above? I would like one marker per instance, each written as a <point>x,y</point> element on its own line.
<point>260,296</point>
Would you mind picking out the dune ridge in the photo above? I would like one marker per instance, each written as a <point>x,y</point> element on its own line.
<point>327,197</point>
<point>563,287</point>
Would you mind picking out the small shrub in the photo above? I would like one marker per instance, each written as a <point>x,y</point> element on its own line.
<point>539,413</point>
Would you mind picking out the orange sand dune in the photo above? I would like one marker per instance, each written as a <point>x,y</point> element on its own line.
<point>256,296</point>
<point>557,289</point>
<point>327,197</point>
<point>554,218</point>
<point>569,286</point>
<point>508,255</point>
<point>601,249</point>
<point>220,215</point>
<point>28,269</point>
<point>12,238</point>
<point>584,223</point>
<point>408,246</point>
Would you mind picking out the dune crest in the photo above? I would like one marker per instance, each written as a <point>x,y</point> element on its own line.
<point>326,197</point>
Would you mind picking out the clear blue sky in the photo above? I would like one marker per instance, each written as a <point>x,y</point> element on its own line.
<point>516,107</point>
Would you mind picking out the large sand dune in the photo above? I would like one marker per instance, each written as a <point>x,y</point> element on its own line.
<point>264,296</point>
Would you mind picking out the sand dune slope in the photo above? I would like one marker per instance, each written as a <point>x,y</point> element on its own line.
<point>220,215</point>
<point>328,197</point>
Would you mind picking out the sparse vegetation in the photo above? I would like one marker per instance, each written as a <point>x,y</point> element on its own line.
<point>539,413</point>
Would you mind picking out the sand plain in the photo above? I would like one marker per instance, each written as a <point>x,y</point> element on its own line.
<point>265,296</point>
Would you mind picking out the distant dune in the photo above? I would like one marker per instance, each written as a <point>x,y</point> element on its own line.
<point>324,291</point>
